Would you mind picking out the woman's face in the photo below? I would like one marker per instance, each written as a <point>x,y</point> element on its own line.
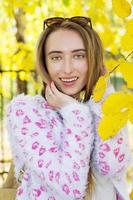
<point>66,61</point>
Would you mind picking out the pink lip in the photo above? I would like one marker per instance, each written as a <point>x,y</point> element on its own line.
<point>68,84</point>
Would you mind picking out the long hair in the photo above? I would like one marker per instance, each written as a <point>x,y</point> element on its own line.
<point>94,52</point>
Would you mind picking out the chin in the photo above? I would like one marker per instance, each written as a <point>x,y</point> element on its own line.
<point>70,93</point>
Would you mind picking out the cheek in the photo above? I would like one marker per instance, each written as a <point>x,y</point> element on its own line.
<point>84,69</point>
<point>53,71</point>
<point>82,65</point>
<point>84,74</point>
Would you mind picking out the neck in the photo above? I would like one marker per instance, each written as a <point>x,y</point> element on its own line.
<point>80,96</point>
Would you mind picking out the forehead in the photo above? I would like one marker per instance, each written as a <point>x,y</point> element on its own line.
<point>64,39</point>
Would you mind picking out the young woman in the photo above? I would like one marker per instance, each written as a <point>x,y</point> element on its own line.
<point>54,136</point>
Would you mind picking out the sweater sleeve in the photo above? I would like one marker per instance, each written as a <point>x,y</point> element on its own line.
<point>111,157</point>
<point>61,164</point>
<point>14,123</point>
<point>78,142</point>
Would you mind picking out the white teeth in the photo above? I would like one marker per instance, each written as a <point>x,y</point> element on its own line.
<point>69,80</point>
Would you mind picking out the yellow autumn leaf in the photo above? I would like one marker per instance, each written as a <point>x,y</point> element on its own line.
<point>13,75</point>
<point>103,19</point>
<point>107,37</point>
<point>8,7</point>
<point>121,8</point>
<point>110,125</point>
<point>129,26</point>
<point>27,63</point>
<point>28,77</point>
<point>126,69</point>
<point>130,106</point>
<point>97,4</point>
<point>131,118</point>
<point>77,9</point>
<point>37,86</point>
<point>22,75</point>
<point>117,100</point>
<point>100,88</point>
<point>114,119</point>
<point>127,42</point>
<point>3,26</point>
<point>30,8</point>
<point>18,4</point>
<point>111,64</point>
<point>5,93</point>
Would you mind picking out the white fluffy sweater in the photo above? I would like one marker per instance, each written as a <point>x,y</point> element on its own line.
<point>59,147</point>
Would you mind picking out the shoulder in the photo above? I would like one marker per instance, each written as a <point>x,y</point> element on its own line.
<point>96,106</point>
<point>24,102</point>
<point>23,99</point>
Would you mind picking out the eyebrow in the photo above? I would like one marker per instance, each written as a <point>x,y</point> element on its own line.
<point>76,50</point>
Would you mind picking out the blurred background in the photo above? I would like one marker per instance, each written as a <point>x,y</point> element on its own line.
<point>21,23</point>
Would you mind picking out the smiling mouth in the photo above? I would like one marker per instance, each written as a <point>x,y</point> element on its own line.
<point>68,80</point>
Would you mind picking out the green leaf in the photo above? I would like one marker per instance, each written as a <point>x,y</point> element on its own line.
<point>66,2</point>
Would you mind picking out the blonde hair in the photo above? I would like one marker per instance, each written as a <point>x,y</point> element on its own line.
<point>93,46</point>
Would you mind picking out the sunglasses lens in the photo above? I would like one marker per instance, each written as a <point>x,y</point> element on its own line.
<point>54,21</point>
<point>83,21</point>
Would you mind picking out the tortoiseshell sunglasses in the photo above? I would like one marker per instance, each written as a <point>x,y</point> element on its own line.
<point>82,21</point>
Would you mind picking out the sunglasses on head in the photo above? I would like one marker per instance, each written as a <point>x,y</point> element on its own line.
<point>82,21</point>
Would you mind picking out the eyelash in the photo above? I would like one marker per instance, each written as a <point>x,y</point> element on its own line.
<point>54,58</point>
<point>76,56</point>
<point>80,56</point>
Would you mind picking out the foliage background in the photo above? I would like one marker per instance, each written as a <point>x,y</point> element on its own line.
<point>21,23</point>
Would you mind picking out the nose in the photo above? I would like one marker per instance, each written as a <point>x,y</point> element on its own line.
<point>67,65</point>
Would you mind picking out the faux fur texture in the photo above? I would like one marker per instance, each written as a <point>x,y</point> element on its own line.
<point>58,147</point>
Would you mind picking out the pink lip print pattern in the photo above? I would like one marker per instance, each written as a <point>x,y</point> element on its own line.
<point>49,135</point>
<point>116,151</point>
<point>121,157</point>
<point>66,189</point>
<point>68,131</point>
<point>101,155</point>
<point>77,193</point>
<point>40,163</point>
<point>59,170</point>
<point>42,150</point>
<point>105,147</point>
<point>35,145</point>
<point>76,166</point>
<point>75,176</point>
<point>36,192</point>
<point>51,175</point>
<point>53,149</point>
<point>26,120</point>
<point>120,140</point>
<point>41,123</point>
<point>19,112</point>
<point>20,191</point>
<point>26,176</point>
<point>57,177</point>
<point>24,131</point>
<point>104,167</point>
<point>68,178</point>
